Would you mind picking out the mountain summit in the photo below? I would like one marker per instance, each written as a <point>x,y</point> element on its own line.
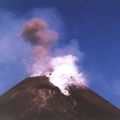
<point>36,98</point>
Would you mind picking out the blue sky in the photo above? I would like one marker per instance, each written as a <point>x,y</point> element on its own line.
<point>95,24</point>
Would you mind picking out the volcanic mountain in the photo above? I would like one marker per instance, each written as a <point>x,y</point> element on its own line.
<point>36,98</point>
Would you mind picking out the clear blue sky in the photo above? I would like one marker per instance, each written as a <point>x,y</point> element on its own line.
<point>94,23</point>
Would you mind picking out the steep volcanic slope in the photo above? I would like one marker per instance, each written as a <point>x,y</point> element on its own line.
<point>37,99</point>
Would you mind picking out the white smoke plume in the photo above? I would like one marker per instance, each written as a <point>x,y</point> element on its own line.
<point>61,69</point>
<point>66,73</point>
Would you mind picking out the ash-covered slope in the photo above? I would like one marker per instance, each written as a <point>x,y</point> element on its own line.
<point>37,99</point>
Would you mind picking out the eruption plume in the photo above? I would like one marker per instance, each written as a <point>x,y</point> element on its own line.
<point>37,33</point>
<point>61,70</point>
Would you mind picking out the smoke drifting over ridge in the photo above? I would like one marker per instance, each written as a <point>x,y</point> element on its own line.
<point>61,69</point>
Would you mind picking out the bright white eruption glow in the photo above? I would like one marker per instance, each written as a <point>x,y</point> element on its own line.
<point>66,73</point>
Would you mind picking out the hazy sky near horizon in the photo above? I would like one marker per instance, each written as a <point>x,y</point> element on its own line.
<point>94,24</point>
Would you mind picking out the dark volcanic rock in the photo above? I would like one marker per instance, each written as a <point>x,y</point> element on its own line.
<point>37,99</point>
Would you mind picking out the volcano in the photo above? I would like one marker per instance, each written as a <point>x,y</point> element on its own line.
<point>35,98</point>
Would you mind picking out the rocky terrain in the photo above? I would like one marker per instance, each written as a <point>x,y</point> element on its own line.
<point>35,98</point>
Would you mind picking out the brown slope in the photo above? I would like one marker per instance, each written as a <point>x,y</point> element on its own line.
<point>37,99</point>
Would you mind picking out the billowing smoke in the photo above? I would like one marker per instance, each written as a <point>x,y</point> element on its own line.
<point>66,73</point>
<point>37,33</point>
<point>61,69</point>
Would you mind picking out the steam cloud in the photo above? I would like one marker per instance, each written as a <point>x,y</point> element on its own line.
<point>61,69</point>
